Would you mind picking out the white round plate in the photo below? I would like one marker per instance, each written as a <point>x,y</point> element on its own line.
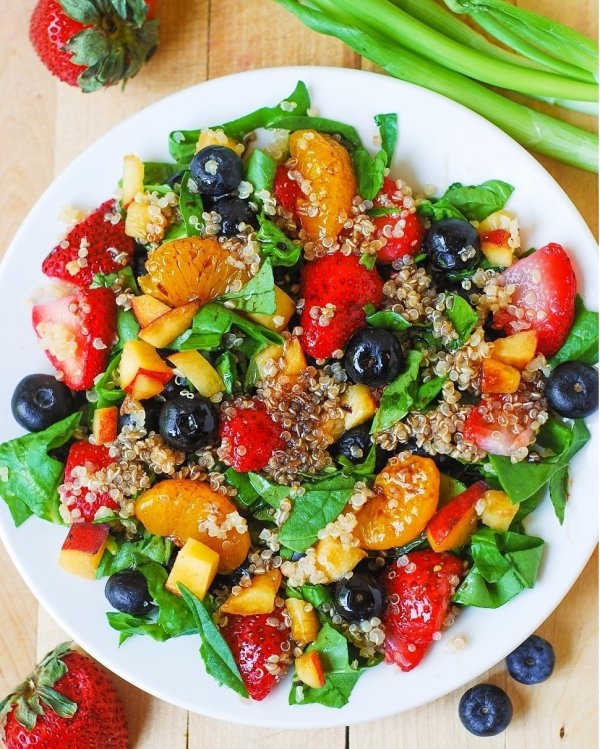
<point>440,142</point>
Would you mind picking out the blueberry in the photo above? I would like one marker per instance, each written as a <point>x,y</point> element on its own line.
<point>356,443</point>
<point>373,357</point>
<point>140,255</point>
<point>127,591</point>
<point>532,662</point>
<point>485,710</point>
<point>216,170</point>
<point>452,245</point>
<point>233,212</point>
<point>188,423</point>
<point>148,419</point>
<point>40,400</point>
<point>358,598</point>
<point>572,390</point>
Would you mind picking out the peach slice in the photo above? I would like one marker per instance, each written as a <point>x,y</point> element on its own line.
<point>147,309</point>
<point>259,598</point>
<point>498,511</point>
<point>133,178</point>
<point>335,558</point>
<point>293,357</point>
<point>140,358</point>
<point>309,669</point>
<point>516,350</point>
<point>497,377</point>
<point>304,621</point>
<point>167,327</point>
<point>453,525</point>
<point>199,372</point>
<point>195,567</point>
<point>83,548</point>
<point>278,321</point>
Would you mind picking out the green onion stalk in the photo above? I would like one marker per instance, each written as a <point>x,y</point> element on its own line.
<point>540,132</point>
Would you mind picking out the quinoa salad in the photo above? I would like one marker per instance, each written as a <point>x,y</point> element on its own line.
<point>299,408</point>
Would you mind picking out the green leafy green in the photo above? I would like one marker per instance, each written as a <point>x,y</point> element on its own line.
<point>260,172</point>
<point>159,172</point>
<point>366,468</point>
<point>367,260</point>
<point>125,276</point>
<point>214,651</point>
<point>449,487</point>
<point>316,595</point>
<point>298,101</point>
<point>399,396</point>
<point>226,366</point>
<point>246,494</point>
<point>320,504</point>
<point>213,321</point>
<point>106,388</point>
<point>258,295</point>
<point>349,135</point>
<point>582,342</point>
<point>463,317</point>
<point>272,493</point>
<point>503,565</point>
<point>173,615</point>
<point>127,327</point>
<point>428,391</point>
<point>30,477</point>
<point>340,676</point>
<point>523,480</point>
<point>129,625</point>
<point>386,319</point>
<point>276,245</point>
<point>191,206</point>
<point>436,210</point>
<point>370,171</point>
<point>477,202</point>
<point>131,554</point>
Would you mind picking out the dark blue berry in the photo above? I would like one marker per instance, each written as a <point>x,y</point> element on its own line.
<point>485,710</point>
<point>452,245</point>
<point>148,419</point>
<point>532,662</point>
<point>356,444</point>
<point>216,170</point>
<point>572,390</point>
<point>127,591</point>
<point>140,255</point>
<point>373,357</point>
<point>233,212</point>
<point>359,597</point>
<point>40,400</point>
<point>188,423</point>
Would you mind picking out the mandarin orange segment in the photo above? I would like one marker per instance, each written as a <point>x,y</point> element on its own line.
<point>406,496</point>
<point>182,509</point>
<point>326,165</point>
<point>188,269</point>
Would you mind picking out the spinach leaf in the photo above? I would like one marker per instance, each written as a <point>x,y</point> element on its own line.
<point>273,494</point>
<point>246,494</point>
<point>131,554</point>
<point>191,206</point>
<point>504,564</point>
<point>125,276</point>
<point>428,391</point>
<point>173,615</point>
<point>213,321</point>
<point>368,261</point>
<point>260,172</point>
<point>298,101</point>
<point>258,295</point>
<point>398,397</point>
<point>320,504</point>
<point>127,327</point>
<point>523,480</point>
<point>275,245</point>
<point>582,342</point>
<point>436,210</point>
<point>559,494</point>
<point>449,487</point>
<point>214,651</point>
<point>477,202</point>
<point>340,677</point>
<point>366,468</point>
<point>370,171</point>
<point>226,366</point>
<point>386,319</point>
<point>129,625</point>
<point>107,389</point>
<point>316,595</point>
<point>322,125</point>
<point>159,172</point>
<point>29,477</point>
<point>463,317</point>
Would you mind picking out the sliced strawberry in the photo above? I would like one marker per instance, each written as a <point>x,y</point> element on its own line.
<point>94,245</point>
<point>339,280</point>
<point>545,289</point>
<point>83,461</point>
<point>488,428</point>
<point>402,230</point>
<point>254,640</point>
<point>418,595</point>
<point>249,437</point>
<point>286,189</point>
<point>77,333</point>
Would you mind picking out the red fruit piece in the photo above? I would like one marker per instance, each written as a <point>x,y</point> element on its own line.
<point>86,710</point>
<point>77,333</point>
<point>249,437</point>
<point>121,47</point>
<point>253,640</point>
<point>339,280</point>
<point>418,595</point>
<point>490,435</point>
<point>286,189</point>
<point>545,289</point>
<point>400,240</point>
<point>104,246</point>
<point>84,460</point>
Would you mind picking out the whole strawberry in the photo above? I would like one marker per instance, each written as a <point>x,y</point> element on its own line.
<point>94,44</point>
<point>68,702</point>
<point>249,437</point>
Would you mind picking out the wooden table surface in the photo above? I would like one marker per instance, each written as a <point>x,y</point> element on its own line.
<point>46,124</point>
